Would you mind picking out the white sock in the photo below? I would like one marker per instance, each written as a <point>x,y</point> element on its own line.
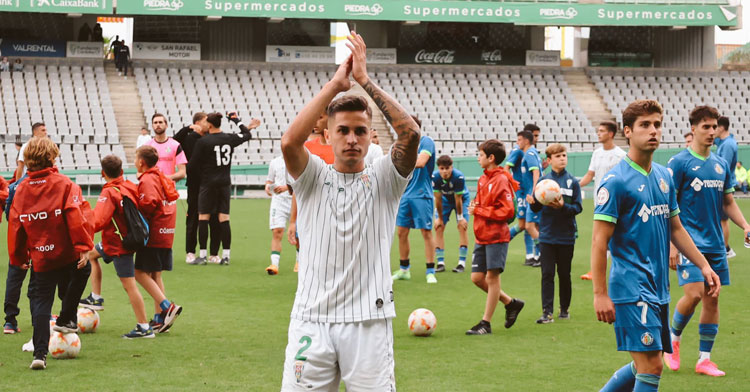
<point>95,295</point>
<point>225,253</point>
<point>296,257</point>
<point>703,356</point>
<point>528,256</point>
<point>462,262</point>
<point>203,252</point>
<point>275,258</point>
<point>144,326</point>
<point>675,338</point>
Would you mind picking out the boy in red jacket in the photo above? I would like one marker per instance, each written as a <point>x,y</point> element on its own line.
<point>492,208</point>
<point>50,232</point>
<point>156,201</point>
<point>109,218</point>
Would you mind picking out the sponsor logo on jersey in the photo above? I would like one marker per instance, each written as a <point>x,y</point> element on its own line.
<point>607,177</point>
<point>640,188</point>
<point>697,184</point>
<point>658,210</point>
<point>696,168</point>
<point>647,339</point>
<point>37,216</point>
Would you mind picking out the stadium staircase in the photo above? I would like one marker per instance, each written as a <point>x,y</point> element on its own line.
<point>127,106</point>
<point>379,122</point>
<point>590,100</point>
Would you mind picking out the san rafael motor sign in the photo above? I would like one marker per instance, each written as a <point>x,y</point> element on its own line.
<point>58,6</point>
<point>542,13</point>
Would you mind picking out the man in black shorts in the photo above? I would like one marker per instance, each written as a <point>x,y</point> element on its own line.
<point>212,157</point>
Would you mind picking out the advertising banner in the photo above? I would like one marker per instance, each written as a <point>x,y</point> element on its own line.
<point>22,48</point>
<point>543,13</point>
<point>165,51</point>
<point>59,6</point>
<point>616,59</point>
<point>381,56</point>
<point>300,54</point>
<point>93,50</point>
<point>548,58</point>
<point>461,56</point>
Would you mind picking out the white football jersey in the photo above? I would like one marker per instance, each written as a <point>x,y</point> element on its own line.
<point>603,161</point>
<point>347,223</point>
<point>277,174</point>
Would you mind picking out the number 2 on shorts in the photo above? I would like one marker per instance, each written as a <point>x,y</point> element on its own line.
<point>306,341</point>
<point>644,311</point>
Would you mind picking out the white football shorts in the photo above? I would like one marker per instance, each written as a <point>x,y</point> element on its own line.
<point>278,216</point>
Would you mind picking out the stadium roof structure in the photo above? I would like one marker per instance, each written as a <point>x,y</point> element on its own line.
<point>551,12</point>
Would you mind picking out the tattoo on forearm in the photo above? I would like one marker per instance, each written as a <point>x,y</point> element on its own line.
<point>404,150</point>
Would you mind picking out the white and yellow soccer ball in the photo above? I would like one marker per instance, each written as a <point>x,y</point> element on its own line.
<point>547,191</point>
<point>88,320</point>
<point>64,346</point>
<point>422,322</point>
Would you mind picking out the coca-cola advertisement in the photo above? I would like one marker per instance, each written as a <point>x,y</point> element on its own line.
<point>452,56</point>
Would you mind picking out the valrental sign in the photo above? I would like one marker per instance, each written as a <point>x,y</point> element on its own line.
<point>58,6</point>
<point>443,11</point>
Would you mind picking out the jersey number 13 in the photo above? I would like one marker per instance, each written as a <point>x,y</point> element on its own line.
<point>223,154</point>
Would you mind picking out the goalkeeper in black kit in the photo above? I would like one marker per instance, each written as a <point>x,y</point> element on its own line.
<point>212,158</point>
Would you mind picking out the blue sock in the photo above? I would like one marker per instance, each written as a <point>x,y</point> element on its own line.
<point>157,318</point>
<point>707,333</point>
<point>440,255</point>
<point>404,264</point>
<point>529,243</point>
<point>622,380</point>
<point>462,251</point>
<point>430,268</point>
<point>513,231</point>
<point>164,305</point>
<point>645,382</point>
<point>679,322</point>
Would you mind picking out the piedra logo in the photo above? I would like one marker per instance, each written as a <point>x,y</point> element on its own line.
<point>443,56</point>
<point>558,13</point>
<point>363,9</point>
<point>163,5</point>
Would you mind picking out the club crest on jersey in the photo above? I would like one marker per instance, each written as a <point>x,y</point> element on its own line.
<point>663,185</point>
<point>718,169</point>
<point>523,169</point>
<point>685,274</point>
<point>365,180</point>
<point>169,149</point>
<point>298,367</point>
<point>569,182</point>
<point>603,196</point>
<point>647,339</point>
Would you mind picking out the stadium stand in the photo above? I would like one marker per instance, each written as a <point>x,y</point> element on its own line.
<point>72,98</point>
<point>679,91</point>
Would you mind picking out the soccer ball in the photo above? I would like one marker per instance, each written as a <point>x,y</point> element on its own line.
<point>422,322</point>
<point>64,346</point>
<point>547,191</point>
<point>88,320</point>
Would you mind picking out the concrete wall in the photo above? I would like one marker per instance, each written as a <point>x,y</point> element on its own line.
<point>692,47</point>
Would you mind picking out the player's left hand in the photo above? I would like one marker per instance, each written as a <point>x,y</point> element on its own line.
<point>280,189</point>
<point>674,257</point>
<point>604,308</point>
<point>254,123</point>
<point>84,259</point>
<point>747,237</point>
<point>359,57</point>
<point>437,223</point>
<point>557,203</point>
<point>530,199</point>
<point>233,117</point>
<point>471,207</point>
<point>462,224</point>
<point>714,283</point>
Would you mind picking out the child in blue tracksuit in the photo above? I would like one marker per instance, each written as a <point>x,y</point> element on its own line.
<point>557,233</point>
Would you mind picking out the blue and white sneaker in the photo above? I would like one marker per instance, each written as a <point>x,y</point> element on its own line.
<point>91,303</point>
<point>139,332</point>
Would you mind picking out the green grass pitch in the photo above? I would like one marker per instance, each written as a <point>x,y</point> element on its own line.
<point>233,331</point>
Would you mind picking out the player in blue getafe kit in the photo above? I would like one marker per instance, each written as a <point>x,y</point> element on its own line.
<point>531,168</point>
<point>703,181</point>
<point>451,194</point>
<point>415,211</point>
<point>635,217</point>
<point>513,164</point>
<point>727,149</point>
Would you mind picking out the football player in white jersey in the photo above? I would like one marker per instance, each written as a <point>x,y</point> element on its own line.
<point>340,327</point>
<point>281,205</point>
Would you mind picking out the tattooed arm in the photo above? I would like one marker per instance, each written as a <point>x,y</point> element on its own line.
<point>404,149</point>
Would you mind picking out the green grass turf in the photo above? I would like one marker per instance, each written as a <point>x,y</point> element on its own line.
<point>232,333</point>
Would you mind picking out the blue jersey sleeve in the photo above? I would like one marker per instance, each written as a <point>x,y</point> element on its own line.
<point>436,180</point>
<point>427,145</point>
<point>729,178</point>
<point>514,160</point>
<point>674,208</point>
<point>675,168</point>
<point>531,161</point>
<point>608,199</point>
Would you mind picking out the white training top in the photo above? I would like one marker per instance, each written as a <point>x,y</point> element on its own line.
<point>373,153</point>
<point>603,161</point>
<point>278,176</point>
<point>346,223</point>
<point>142,139</point>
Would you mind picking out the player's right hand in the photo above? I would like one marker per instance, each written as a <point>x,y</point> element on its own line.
<point>359,57</point>
<point>674,257</point>
<point>280,189</point>
<point>268,189</point>
<point>340,80</point>
<point>233,117</point>
<point>470,210</point>
<point>291,233</point>
<point>604,308</point>
<point>438,223</point>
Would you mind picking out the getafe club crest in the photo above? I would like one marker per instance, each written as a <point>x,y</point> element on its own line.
<point>298,366</point>
<point>718,169</point>
<point>685,274</point>
<point>647,339</point>
<point>663,186</point>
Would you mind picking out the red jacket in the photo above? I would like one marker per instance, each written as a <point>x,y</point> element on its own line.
<point>49,223</point>
<point>493,206</point>
<point>108,207</point>
<point>3,195</point>
<point>160,213</point>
